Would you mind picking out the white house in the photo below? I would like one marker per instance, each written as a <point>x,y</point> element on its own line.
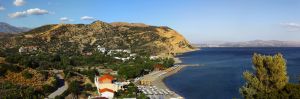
<point>154,57</point>
<point>107,93</point>
<point>25,49</point>
<point>101,49</point>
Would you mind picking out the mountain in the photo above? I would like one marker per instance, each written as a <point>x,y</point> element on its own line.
<point>76,38</point>
<point>255,43</point>
<point>7,28</point>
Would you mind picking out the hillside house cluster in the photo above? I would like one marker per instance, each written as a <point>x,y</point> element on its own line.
<point>112,52</point>
<point>26,49</point>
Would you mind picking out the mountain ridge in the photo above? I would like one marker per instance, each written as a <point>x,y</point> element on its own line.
<point>7,28</point>
<point>253,43</point>
<point>154,40</point>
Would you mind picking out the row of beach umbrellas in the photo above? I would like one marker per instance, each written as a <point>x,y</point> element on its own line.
<point>153,90</point>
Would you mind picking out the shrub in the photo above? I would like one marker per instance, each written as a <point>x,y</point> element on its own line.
<point>10,91</point>
<point>27,75</point>
<point>74,87</point>
<point>48,89</point>
<point>88,87</point>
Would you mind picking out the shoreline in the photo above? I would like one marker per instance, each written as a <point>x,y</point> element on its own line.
<point>159,82</point>
<point>160,76</point>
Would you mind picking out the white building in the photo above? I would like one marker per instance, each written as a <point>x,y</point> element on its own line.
<point>154,57</point>
<point>101,49</point>
<point>132,55</point>
<point>107,93</point>
<point>26,49</point>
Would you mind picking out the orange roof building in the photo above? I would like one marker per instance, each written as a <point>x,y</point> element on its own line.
<point>105,90</point>
<point>158,67</point>
<point>105,79</point>
<point>105,86</point>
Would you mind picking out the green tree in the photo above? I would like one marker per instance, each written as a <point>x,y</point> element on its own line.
<point>270,76</point>
<point>88,87</point>
<point>64,62</point>
<point>129,71</point>
<point>13,58</point>
<point>74,88</point>
<point>48,89</point>
<point>168,62</point>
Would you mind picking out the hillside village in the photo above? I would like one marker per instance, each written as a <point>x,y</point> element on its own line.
<point>37,64</point>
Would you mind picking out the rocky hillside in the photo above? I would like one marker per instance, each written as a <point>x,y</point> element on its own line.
<point>78,38</point>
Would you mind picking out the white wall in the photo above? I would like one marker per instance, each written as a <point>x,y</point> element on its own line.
<point>107,94</point>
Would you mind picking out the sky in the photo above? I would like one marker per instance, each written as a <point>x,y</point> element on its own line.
<point>196,20</point>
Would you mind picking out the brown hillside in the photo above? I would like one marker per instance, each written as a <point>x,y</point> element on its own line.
<point>74,38</point>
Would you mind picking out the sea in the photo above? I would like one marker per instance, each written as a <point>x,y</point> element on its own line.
<point>219,74</point>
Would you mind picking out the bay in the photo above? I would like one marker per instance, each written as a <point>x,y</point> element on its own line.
<point>220,73</point>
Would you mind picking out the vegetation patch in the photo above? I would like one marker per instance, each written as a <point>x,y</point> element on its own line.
<point>27,75</point>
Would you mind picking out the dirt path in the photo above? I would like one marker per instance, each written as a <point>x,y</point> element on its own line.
<point>60,90</point>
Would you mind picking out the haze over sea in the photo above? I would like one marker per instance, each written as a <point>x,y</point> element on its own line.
<point>220,73</point>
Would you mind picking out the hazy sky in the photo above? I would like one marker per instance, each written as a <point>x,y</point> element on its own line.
<point>197,20</point>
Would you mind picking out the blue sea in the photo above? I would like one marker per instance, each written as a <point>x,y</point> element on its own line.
<point>220,73</point>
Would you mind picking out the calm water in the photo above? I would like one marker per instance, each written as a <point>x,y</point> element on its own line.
<point>221,74</point>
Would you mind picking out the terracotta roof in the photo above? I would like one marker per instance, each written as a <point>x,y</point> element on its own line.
<point>99,98</point>
<point>105,77</point>
<point>159,66</point>
<point>105,90</point>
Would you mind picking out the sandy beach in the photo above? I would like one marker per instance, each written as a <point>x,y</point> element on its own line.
<point>177,60</point>
<point>159,77</point>
<point>159,82</point>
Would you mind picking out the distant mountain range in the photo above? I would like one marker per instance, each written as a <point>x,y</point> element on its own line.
<point>254,43</point>
<point>7,28</point>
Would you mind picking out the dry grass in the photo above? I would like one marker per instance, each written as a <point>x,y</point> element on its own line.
<point>2,60</point>
<point>37,80</point>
